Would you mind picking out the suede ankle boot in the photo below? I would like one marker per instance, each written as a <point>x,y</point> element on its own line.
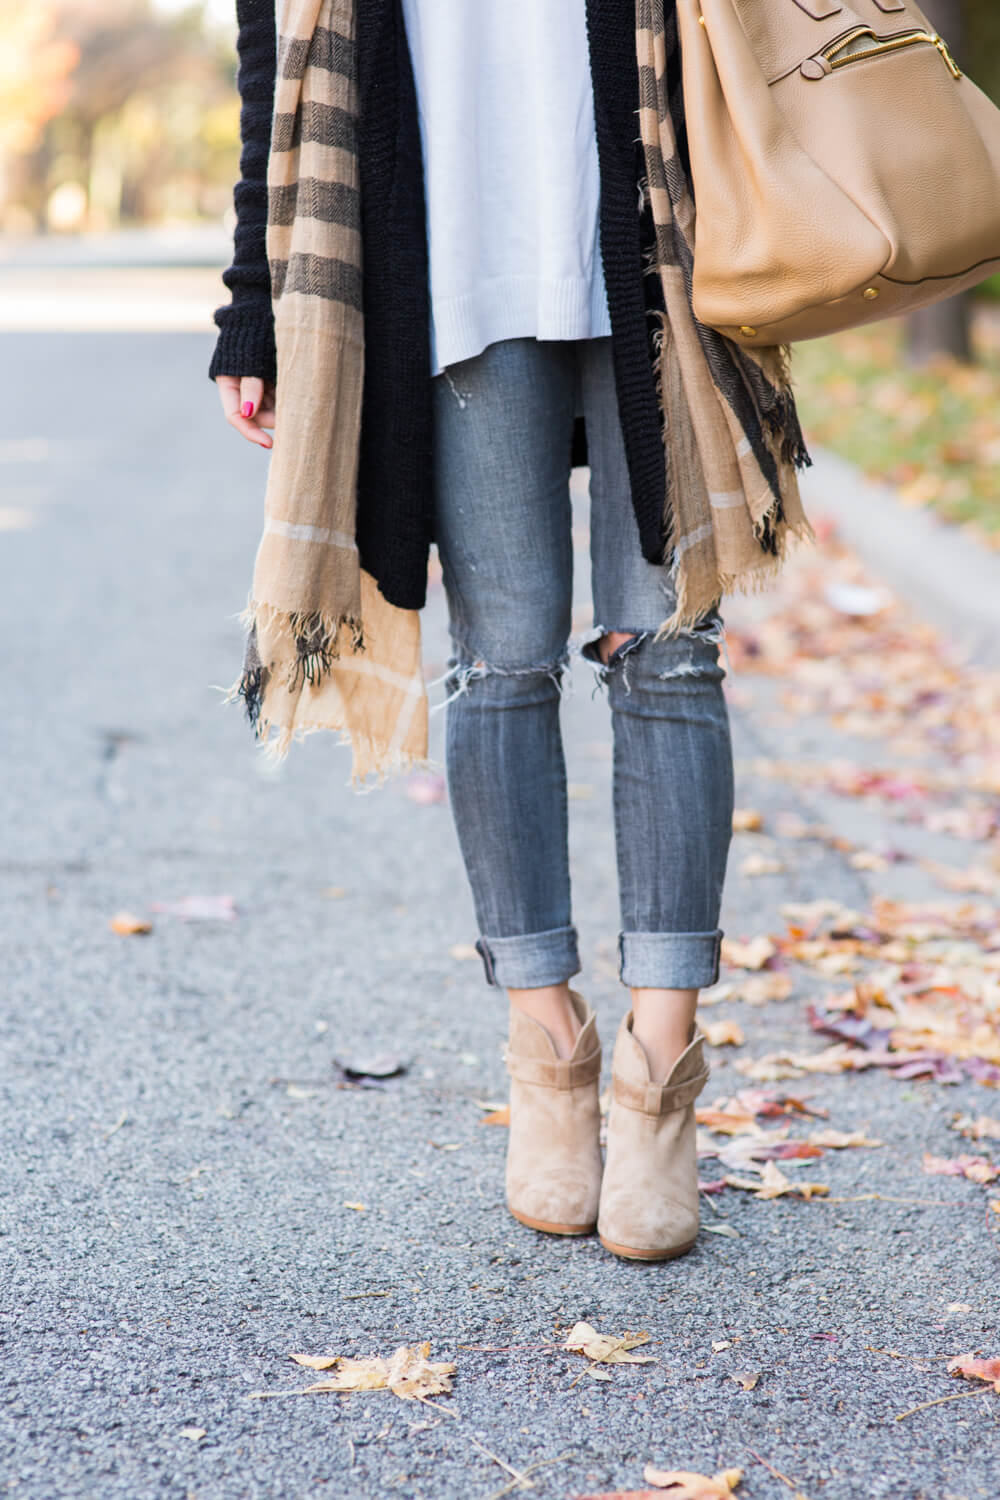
<point>553,1151</point>
<point>649,1197</point>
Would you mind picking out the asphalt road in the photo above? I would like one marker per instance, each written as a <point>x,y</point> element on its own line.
<point>177,1158</point>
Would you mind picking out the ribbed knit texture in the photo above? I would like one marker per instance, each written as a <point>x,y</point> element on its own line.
<point>245,345</point>
<point>395,479</point>
<point>395,515</point>
<point>611,25</point>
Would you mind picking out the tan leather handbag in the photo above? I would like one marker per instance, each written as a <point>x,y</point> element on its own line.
<point>844,169</point>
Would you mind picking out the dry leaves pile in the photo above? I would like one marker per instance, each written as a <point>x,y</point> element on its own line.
<point>730,1132</point>
<point>926,999</point>
<point>844,651</point>
<point>933,430</point>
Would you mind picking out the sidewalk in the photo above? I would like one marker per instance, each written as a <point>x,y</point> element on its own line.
<point>194,1192</point>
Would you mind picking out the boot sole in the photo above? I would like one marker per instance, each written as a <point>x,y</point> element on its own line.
<point>628,1252</point>
<point>546,1228</point>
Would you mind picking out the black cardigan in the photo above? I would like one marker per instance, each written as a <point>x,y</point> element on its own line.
<point>395,510</point>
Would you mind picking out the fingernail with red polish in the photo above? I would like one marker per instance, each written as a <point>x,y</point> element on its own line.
<point>246,410</point>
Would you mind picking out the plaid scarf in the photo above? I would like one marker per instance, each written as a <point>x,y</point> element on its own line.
<point>325,650</point>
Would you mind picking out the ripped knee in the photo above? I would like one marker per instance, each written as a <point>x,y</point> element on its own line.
<point>691,652</point>
<point>610,642</point>
<point>502,682</point>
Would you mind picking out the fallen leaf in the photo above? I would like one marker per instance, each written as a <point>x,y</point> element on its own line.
<point>762,864</point>
<point>868,859</point>
<point>623,1495</point>
<point>759,989</point>
<point>719,1344</point>
<point>408,1374</point>
<point>499,1116</point>
<point>729,1121</point>
<point>723,1033</point>
<point>464,951</point>
<point>194,1434</point>
<point>680,1484</point>
<point>751,955</point>
<point>840,1058</point>
<point>747,1382</point>
<point>128,925</point>
<point>606,1350</point>
<point>773,1183</point>
<point>982,1129</point>
<point>360,1208</point>
<point>747,820</point>
<point>426,787</point>
<point>970,1368</point>
<point>838,1140</point>
<point>374,1065</point>
<point>976,1168</point>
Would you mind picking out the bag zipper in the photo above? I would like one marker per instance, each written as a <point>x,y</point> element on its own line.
<point>882,45</point>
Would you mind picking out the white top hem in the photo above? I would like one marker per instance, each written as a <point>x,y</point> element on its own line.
<point>512,307</point>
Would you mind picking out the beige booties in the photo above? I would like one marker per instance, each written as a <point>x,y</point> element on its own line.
<point>649,1198</point>
<point>553,1151</point>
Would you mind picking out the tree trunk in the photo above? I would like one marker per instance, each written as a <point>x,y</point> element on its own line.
<point>944,327</point>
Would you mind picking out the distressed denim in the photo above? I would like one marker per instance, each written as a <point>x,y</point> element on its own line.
<point>503,429</point>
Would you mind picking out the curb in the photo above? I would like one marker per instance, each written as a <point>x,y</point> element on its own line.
<point>948,578</point>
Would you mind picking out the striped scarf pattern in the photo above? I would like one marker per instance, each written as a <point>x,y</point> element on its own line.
<point>325,650</point>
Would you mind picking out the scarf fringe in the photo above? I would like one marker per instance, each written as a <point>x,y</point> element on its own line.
<point>320,631</point>
<point>317,640</point>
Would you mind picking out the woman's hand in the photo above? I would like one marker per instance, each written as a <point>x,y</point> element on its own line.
<point>249,406</point>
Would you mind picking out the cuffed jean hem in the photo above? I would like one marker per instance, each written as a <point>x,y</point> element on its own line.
<point>530,960</point>
<point>669,960</point>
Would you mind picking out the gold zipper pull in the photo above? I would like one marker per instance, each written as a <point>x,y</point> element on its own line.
<point>942,47</point>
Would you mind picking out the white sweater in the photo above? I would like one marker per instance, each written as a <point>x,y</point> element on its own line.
<point>511,176</point>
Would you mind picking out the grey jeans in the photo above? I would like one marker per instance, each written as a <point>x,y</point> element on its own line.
<point>503,428</point>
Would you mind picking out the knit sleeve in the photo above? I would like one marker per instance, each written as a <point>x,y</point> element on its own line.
<point>245,345</point>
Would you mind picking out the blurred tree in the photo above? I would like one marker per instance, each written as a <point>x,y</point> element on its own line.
<point>35,69</point>
<point>981,19</point>
<point>146,118</point>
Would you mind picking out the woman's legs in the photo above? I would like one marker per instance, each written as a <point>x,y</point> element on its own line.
<point>503,529</point>
<point>503,430</point>
<point>673,771</point>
